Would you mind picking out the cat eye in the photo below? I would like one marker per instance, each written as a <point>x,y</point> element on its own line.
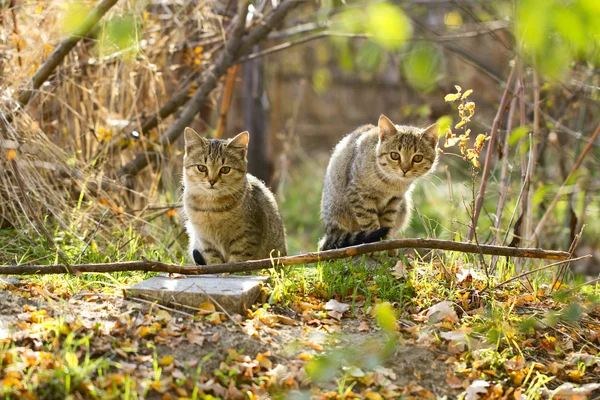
<point>394,155</point>
<point>202,168</point>
<point>225,170</point>
<point>418,158</point>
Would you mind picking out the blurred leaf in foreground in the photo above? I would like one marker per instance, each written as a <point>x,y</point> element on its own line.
<point>75,14</point>
<point>422,66</point>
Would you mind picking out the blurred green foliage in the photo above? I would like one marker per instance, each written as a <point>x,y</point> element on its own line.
<point>74,15</point>
<point>117,34</point>
<point>422,66</point>
<point>554,33</point>
<point>121,32</point>
<point>388,31</point>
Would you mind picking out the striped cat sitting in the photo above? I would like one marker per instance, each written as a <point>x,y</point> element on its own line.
<point>369,182</point>
<point>231,215</point>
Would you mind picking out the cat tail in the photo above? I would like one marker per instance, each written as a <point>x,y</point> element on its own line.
<point>336,239</point>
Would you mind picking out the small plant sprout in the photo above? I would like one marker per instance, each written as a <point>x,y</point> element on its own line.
<point>466,110</point>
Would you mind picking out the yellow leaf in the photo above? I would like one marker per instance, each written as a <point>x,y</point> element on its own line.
<point>304,357</point>
<point>466,94</point>
<point>263,360</point>
<point>312,345</point>
<point>453,20</point>
<point>71,360</point>
<point>206,308</point>
<point>163,315</point>
<point>576,375</point>
<point>38,316</point>
<point>451,97</point>
<point>458,88</point>
<point>166,360</point>
<point>214,319</point>
<point>373,396</point>
<point>11,154</point>
<point>143,331</point>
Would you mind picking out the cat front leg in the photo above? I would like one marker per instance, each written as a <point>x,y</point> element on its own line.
<point>364,209</point>
<point>243,247</point>
<point>389,215</point>
<point>205,253</point>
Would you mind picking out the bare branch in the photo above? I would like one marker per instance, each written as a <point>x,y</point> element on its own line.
<point>236,46</point>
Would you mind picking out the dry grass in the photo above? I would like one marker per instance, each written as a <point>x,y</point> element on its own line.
<point>56,152</point>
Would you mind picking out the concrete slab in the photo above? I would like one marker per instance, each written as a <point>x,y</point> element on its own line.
<point>234,293</point>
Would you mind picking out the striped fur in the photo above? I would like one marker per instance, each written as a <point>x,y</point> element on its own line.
<point>231,215</point>
<point>369,182</point>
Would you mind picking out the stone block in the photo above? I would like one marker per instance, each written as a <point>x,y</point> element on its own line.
<point>234,293</point>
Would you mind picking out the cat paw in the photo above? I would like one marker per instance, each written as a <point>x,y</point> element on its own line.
<point>198,259</point>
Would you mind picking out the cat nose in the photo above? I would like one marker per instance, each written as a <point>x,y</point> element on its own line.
<point>212,182</point>
<point>405,170</point>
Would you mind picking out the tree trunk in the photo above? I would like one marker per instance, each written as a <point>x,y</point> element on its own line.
<point>255,119</point>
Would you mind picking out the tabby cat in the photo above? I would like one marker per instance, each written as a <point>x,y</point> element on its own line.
<point>369,182</point>
<point>231,215</point>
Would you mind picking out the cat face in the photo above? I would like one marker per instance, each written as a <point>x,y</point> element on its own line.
<point>405,152</point>
<point>214,167</point>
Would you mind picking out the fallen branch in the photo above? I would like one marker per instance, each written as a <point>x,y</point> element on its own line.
<point>157,266</point>
<point>61,51</point>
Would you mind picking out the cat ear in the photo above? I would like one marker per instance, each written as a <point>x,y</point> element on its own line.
<point>430,134</point>
<point>386,127</point>
<point>192,138</point>
<point>240,140</point>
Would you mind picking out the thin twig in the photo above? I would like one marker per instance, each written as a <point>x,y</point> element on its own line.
<point>563,270</point>
<point>597,280</point>
<point>504,175</point>
<point>558,195</point>
<point>157,266</point>
<point>490,150</point>
<point>514,278</point>
<point>535,137</point>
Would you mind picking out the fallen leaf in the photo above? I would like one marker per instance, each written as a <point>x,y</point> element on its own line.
<point>363,327</point>
<point>163,315</point>
<point>335,305</point>
<point>312,345</point>
<point>453,381</point>
<point>263,360</point>
<point>166,360</point>
<point>476,389</point>
<point>399,271</point>
<point>286,320</point>
<point>568,391</point>
<point>442,311</point>
<point>469,274</point>
<point>206,308</point>
<point>195,338</point>
<point>214,318</point>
